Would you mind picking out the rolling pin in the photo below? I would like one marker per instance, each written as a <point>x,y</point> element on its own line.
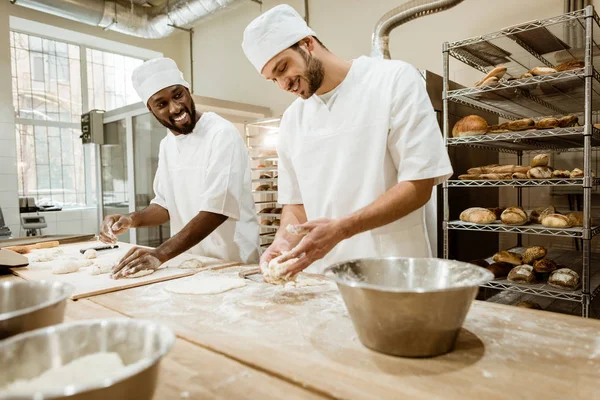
<point>26,249</point>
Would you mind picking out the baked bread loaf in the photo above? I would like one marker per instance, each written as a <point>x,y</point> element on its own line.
<point>491,81</point>
<point>537,71</point>
<point>519,175</point>
<point>471,125</point>
<point>498,169</point>
<point>539,173</point>
<point>263,188</point>
<point>508,257</point>
<point>575,218</point>
<point>497,73</point>
<point>521,124</point>
<point>538,214</point>
<point>275,222</point>
<point>522,274</point>
<point>526,75</point>
<point>502,128</point>
<point>561,173</point>
<point>564,278</point>
<point>265,222</point>
<point>276,210</point>
<point>547,123</point>
<point>265,210</point>
<point>569,65</point>
<point>541,160</point>
<point>576,173</point>
<point>533,253</point>
<point>544,265</point>
<point>514,216</point>
<point>495,177</point>
<point>478,215</point>
<point>480,263</point>
<point>274,187</point>
<point>497,211</point>
<point>469,177</point>
<point>556,221</point>
<point>500,269</point>
<point>529,304</point>
<point>568,121</point>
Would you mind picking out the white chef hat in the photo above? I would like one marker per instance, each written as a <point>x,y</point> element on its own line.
<point>155,75</point>
<point>273,32</point>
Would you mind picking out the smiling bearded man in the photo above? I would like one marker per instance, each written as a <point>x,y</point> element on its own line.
<point>202,185</point>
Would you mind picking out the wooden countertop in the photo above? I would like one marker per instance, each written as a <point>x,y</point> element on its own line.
<point>300,343</point>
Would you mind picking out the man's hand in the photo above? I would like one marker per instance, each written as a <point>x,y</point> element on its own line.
<point>323,235</point>
<point>114,225</point>
<point>276,248</point>
<point>137,259</point>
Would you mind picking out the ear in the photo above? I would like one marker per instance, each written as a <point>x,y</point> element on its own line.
<point>308,42</point>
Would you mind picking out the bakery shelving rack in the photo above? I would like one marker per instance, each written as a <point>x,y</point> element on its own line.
<point>261,138</point>
<point>547,42</point>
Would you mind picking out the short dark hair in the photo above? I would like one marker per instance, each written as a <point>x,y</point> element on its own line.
<point>296,46</point>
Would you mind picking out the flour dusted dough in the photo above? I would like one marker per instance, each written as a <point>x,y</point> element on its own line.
<point>65,267</point>
<point>90,253</point>
<point>84,370</point>
<point>102,267</point>
<point>273,272</point>
<point>191,264</point>
<point>141,273</point>
<point>45,255</point>
<point>206,285</point>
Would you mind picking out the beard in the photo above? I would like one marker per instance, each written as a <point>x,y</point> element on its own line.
<point>186,129</point>
<point>315,72</point>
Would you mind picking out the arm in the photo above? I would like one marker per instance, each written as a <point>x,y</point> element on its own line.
<point>114,225</point>
<point>192,233</point>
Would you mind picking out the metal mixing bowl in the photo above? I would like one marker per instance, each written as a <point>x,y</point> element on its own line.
<point>29,305</point>
<point>140,344</point>
<point>410,307</point>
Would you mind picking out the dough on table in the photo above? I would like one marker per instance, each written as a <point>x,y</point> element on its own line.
<point>90,253</point>
<point>45,255</point>
<point>273,272</point>
<point>141,273</point>
<point>102,267</point>
<point>303,281</point>
<point>206,285</point>
<point>192,263</point>
<point>65,267</point>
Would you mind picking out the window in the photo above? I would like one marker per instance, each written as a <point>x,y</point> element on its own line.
<point>48,101</point>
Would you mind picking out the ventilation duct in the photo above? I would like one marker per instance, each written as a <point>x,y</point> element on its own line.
<point>128,17</point>
<point>401,15</point>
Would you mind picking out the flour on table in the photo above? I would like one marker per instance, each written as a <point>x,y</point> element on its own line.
<point>45,255</point>
<point>81,371</point>
<point>304,281</point>
<point>206,285</point>
<point>65,267</point>
<point>192,263</point>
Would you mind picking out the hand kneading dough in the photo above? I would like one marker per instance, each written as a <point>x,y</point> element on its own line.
<point>273,273</point>
<point>90,253</point>
<point>206,285</point>
<point>192,263</point>
<point>65,267</point>
<point>141,273</point>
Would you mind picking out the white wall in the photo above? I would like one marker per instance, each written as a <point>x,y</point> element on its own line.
<point>345,27</point>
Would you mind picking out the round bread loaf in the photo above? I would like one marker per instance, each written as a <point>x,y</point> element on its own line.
<point>556,221</point>
<point>508,257</point>
<point>471,125</point>
<point>265,222</point>
<point>514,216</point>
<point>561,173</point>
<point>575,218</point>
<point>263,188</point>
<point>564,278</point>
<point>576,173</point>
<point>539,213</point>
<point>533,253</point>
<point>522,274</point>
<point>500,269</point>
<point>544,265</point>
<point>478,215</point>
<point>541,160</point>
<point>539,173</point>
<point>498,211</point>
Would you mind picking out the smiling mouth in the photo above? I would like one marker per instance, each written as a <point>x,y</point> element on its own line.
<point>296,86</point>
<point>181,117</point>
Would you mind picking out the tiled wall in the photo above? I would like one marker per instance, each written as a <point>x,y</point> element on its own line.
<point>70,221</point>
<point>8,153</point>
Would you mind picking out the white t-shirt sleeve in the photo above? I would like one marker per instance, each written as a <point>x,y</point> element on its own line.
<point>224,177</point>
<point>159,197</point>
<point>287,182</point>
<point>415,141</point>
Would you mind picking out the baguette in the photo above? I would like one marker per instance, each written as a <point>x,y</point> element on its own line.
<point>497,73</point>
<point>547,123</point>
<point>521,124</point>
<point>478,215</point>
<point>537,71</point>
<point>491,81</point>
<point>503,128</point>
<point>569,65</point>
<point>469,177</point>
<point>519,175</point>
<point>568,121</point>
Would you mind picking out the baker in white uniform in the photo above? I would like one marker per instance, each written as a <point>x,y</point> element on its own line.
<point>202,184</point>
<point>359,151</point>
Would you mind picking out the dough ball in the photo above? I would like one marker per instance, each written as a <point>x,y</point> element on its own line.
<point>65,267</point>
<point>90,253</point>
<point>191,264</point>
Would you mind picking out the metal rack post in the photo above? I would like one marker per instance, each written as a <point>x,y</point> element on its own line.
<point>446,116</point>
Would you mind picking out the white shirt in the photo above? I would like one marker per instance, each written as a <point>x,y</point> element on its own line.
<point>209,170</point>
<point>380,130</point>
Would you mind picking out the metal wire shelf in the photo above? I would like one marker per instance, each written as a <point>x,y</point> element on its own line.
<point>264,191</point>
<point>535,229</point>
<point>271,227</point>
<point>264,158</point>
<point>265,180</point>
<point>265,169</point>
<point>519,183</point>
<point>569,259</point>
<point>534,140</point>
<point>268,215</point>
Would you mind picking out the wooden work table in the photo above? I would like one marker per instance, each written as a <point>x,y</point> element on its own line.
<point>261,342</point>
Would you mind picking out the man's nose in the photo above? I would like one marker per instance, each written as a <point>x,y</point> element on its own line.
<point>174,107</point>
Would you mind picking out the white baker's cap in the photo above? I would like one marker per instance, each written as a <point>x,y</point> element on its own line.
<point>271,33</point>
<point>154,75</point>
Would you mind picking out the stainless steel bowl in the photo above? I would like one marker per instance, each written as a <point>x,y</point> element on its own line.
<point>140,344</point>
<point>410,307</point>
<point>29,305</point>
